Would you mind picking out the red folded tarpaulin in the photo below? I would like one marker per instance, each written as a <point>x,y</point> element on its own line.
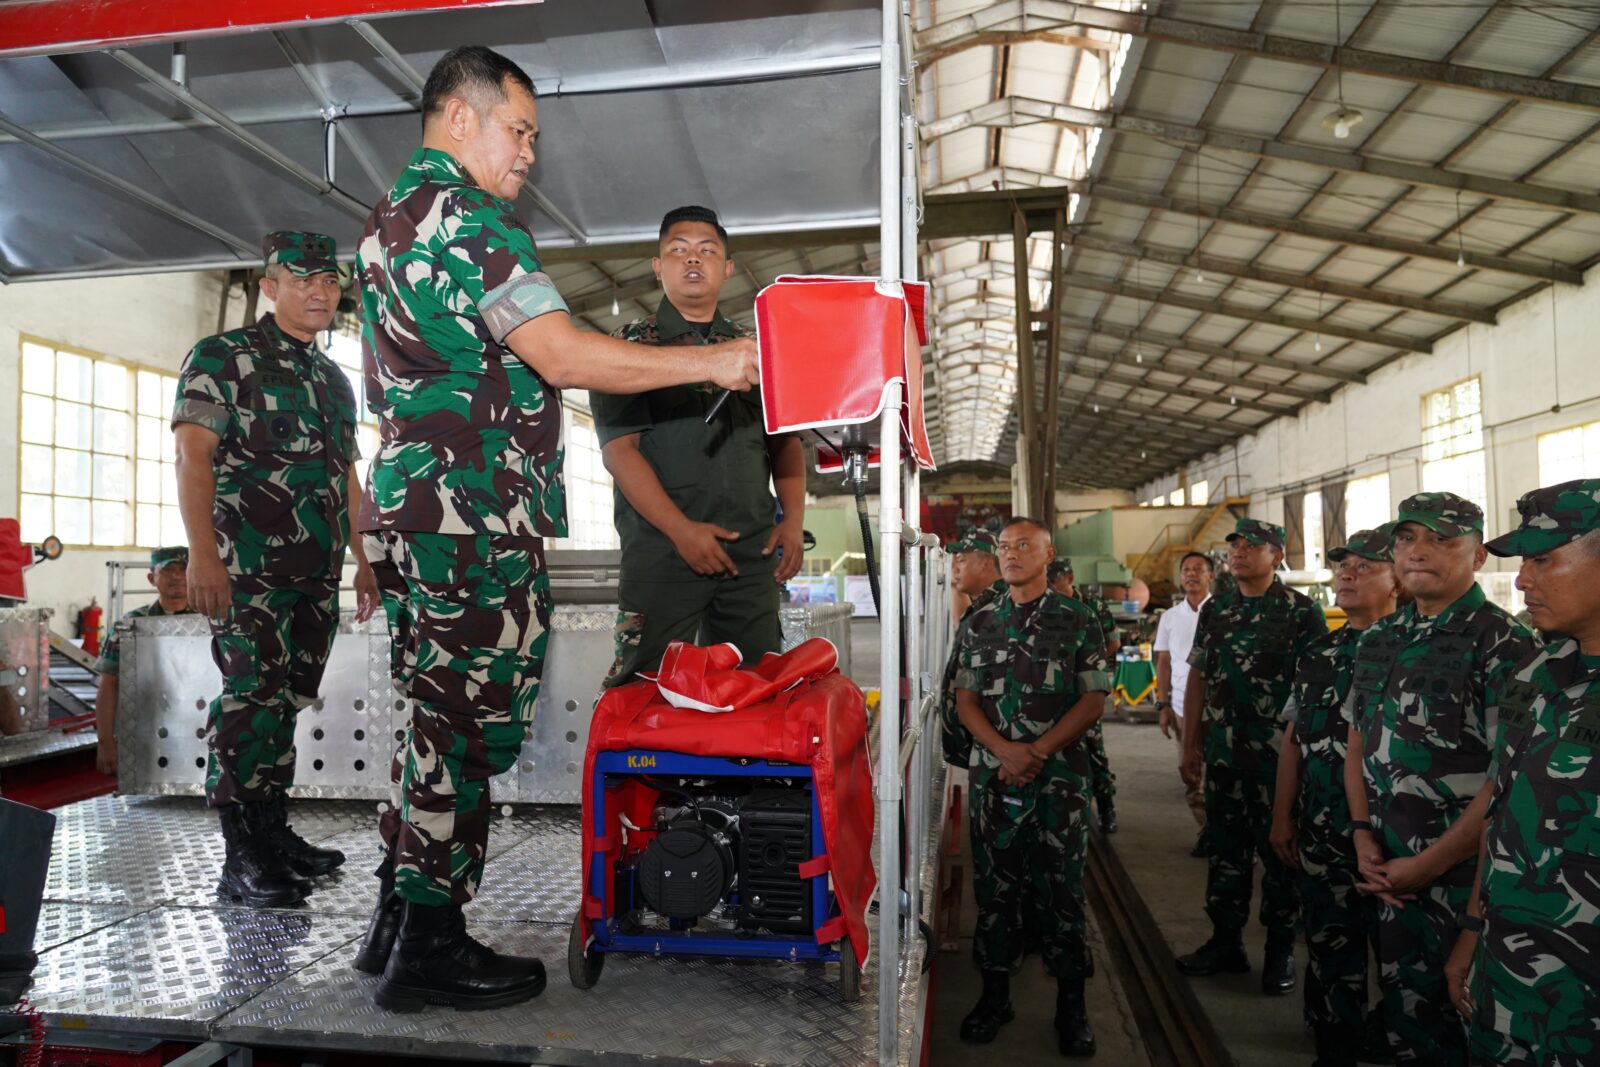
<point>821,722</point>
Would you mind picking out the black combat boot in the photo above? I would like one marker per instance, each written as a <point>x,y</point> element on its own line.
<point>992,1011</point>
<point>249,874</point>
<point>435,962</point>
<point>1375,1037</point>
<point>305,858</point>
<point>1223,954</point>
<point>373,955</point>
<point>1108,815</point>
<point>1277,969</point>
<point>1073,1035</point>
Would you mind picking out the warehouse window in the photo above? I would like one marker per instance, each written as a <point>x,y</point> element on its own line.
<point>1452,442</point>
<point>590,521</point>
<point>1366,503</point>
<point>1569,454</point>
<point>96,457</point>
<point>1200,493</point>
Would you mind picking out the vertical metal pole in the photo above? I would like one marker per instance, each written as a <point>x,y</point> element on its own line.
<point>1027,427</point>
<point>889,237</point>
<point>917,666</point>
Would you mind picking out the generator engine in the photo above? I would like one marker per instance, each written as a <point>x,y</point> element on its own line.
<point>733,844</point>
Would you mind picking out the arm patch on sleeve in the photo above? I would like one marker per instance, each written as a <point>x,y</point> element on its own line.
<point>525,297</point>
<point>213,417</point>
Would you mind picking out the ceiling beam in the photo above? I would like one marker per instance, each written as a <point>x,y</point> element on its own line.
<point>1192,424</point>
<point>1005,39</point>
<point>1134,380</point>
<point>1237,268</point>
<point>1206,348</point>
<point>1204,306</point>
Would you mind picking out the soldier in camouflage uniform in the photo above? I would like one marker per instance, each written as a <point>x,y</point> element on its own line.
<point>1247,644</point>
<point>1429,684</point>
<point>1531,932</point>
<point>702,559</point>
<point>1032,677</point>
<point>976,572</point>
<point>167,575</point>
<point>466,342</point>
<point>1311,817</point>
<point>266,441</point>
<point>1102,782</point>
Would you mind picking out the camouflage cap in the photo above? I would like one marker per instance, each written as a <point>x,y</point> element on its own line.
<point>1445,514</point>
<point>977,541</point>
<point>1259,532</point>
<point>300,253</point>
<point>1368,544</point>
<point>160,557</point>
<point>1058,567</point>
<point>1551,517</point>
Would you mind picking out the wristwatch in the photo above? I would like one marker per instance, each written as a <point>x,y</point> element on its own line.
<point>1360,824</point>
<point>1472,924</point>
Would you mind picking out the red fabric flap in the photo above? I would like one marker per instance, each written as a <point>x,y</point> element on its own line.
<point>816,865</point>
<point>833,930</point>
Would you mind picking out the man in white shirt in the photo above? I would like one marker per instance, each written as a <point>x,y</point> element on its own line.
<point>1174,639</point>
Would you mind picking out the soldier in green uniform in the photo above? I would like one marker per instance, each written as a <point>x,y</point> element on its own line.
<point>1424,705</point>
<point>1247,644</point>
<point>1032,678</point>
<point>702,558</point>
<point>466,344</point>
<point>1531,931</point>
<point>264,424</point>
<point>168,575</point>
<point>1102,782</point>
<point>1311,817</point>
<point>976,572</point>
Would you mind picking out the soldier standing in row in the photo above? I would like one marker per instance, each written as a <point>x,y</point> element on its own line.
<point>466,343</point>
<point>169,576</point>
<point>1429,684</point>
<point>266,445</point>
<point>1101,781</point>
<point>1338,920</point>
<point>1530,931</point>
<point>702,558</point>
<point>1032,679</point>
<point>975,572</point>
<point>1245,651</point>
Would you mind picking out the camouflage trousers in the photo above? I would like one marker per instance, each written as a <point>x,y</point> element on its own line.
<point>1490,1048</point>
<point>741,611</point>
<point>271,650</point>
<point>1101,781</point>
<point>1538,1000</point>
<point>1413,944</point>
<point>1029,846</point>
<point>1339,928</point>
<point>1238,821</point>
<point>469,617</point>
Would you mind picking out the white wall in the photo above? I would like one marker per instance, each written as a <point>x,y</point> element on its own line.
<point>151,320</point>
<point>1376,427</point>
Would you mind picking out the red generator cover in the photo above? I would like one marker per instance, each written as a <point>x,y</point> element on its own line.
<point>830,346</point>
<point>794,708</point>
<point>15,557</point>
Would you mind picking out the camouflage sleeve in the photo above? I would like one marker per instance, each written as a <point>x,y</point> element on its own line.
<point>1311,626</point>
<point>966,670</point>
<point>1093,668</point>
<point>110,661</point>
<point>1108,625</point>
<point>491,255</point>
<point>206,388</point>
<point>1202,637</point>
<point>1513,651</point>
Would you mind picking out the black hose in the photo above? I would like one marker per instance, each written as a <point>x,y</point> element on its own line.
<point>866,543</point>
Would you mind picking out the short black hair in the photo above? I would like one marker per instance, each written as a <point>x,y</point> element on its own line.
<point>693,213</point>
<point>1202,557</point>
<point>1024,520</point>
<point>472,72</point>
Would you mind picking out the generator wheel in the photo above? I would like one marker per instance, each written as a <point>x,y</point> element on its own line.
<point>849,971</point>
<point>583,962</point>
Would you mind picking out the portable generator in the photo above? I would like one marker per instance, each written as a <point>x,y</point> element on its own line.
<point>724,864</point>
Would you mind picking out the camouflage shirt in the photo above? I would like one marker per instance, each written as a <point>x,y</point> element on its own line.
<point>717,472</point>
<point>1101,613</point>
<point>286,419</point>
<point>1246,649</point>
<point>1539,957</point>
<point>1029,664</point>
<point>1316,711</point>
<point>957,741</point>
<point>471,434</point>
<point>110,661</point>
<point>1426,700</point>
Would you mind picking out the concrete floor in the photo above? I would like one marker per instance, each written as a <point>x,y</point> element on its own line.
<point>1155,835</point>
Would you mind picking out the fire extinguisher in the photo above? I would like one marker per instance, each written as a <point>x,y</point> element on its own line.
<point>89,627</point>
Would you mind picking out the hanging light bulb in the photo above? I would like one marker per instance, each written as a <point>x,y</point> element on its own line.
<point>1199,275</point>
<point>1233,400</point>
<point>1318,346</point>
<point>1138,356</point>
<point>616,305</point>
<point>1141,453</point>
<point>1461,257</point>
<point>1342,121</point>
<point>1097,409</point>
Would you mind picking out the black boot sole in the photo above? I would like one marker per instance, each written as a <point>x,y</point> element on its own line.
<point>406,999</point>
<point>309,869</point>
<point>983,1037</point>
<point>1077,1050</point>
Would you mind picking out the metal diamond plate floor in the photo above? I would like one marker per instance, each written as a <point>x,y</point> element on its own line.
<point>132,938</point>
